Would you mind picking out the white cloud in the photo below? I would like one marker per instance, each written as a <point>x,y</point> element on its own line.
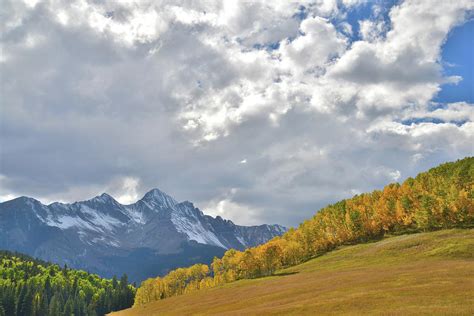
<point>371,31</point>
<point>312,51</point>
<point>457,112</point>
<point>228,209</point>
<point>395,175</point>
<point>124,96</point>
<point>128,192</point>
<point>402,69</point>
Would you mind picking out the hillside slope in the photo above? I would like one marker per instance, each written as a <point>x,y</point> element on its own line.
<point>441,198</point>
<point>425,273</point>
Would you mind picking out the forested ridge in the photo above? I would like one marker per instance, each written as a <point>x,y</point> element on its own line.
<point>437,199</point>
<point>31,287</point>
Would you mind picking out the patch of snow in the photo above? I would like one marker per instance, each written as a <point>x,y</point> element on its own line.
<point>135,215</point>
<point>65,222</point>
<point>114,243</point>
<point>104,240</point>
<point>194,230</point>
<point>91,220</point>
<point>241,240</point>
<point>105,221</point>
<point>280,229</point>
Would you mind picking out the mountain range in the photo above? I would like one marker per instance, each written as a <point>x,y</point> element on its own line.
<point>143,239</point>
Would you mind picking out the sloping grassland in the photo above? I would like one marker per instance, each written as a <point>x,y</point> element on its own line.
<point>418,274</point>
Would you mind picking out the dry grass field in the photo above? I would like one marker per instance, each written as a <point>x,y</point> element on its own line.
<point>419,274</point>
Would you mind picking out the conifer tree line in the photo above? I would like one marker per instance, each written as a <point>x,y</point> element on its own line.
<point>31,287</point>
<point>438,199</point>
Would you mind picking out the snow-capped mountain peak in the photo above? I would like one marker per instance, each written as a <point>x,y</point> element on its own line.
<point>158,198</point>
<point>104,229</point>
<point>104,198</point>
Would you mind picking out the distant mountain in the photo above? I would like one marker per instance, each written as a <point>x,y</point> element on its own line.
<point>143,239</point>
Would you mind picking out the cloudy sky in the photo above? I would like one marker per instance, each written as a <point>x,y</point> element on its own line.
<point>259,113</point>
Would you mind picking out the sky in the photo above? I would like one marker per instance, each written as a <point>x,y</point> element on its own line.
<point>260,112</point>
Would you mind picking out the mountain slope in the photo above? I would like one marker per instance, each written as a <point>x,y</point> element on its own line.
<point>103,236</point>
<point>418,274</point>
<point>442,197</point>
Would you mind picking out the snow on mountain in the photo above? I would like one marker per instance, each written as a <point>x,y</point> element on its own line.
<point>188,221</point>
<point>104,215</point>
<point>102,230</point>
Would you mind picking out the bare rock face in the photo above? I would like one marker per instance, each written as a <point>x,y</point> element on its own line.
<point>144,239</point>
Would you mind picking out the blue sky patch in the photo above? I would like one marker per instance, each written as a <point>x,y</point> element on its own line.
<point>365,11</point>
<point>422,120</point>
<point>458,60</point>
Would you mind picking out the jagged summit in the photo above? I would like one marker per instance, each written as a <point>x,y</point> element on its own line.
<point>159,198</point>
<point>24,199</point>
<point>104,198</point>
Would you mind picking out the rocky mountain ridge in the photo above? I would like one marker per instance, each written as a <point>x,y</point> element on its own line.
<point>103,236</point>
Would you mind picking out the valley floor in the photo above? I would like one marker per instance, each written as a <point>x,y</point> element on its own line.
<point>419,274</point>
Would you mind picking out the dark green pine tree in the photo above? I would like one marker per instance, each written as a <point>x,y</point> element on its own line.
<point>92,309</point>
<point>79,307</point>
<point>114,282</point>
<point>20,299</point>
<point>8,301</point>
<point>47,288</point>
<point>126,296</point>
<point>75,286</point>
<point>43,305</point>
<point>20,296</point>
<point>68,307</point>
<point>124,281</point>
<point>26,303</point>
<point>100,307</point>
<point>54,306</point>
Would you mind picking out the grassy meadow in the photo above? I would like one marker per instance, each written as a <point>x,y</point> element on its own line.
<point>418,274</point>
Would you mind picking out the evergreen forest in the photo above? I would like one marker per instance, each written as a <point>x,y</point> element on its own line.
<point>31,287</point>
